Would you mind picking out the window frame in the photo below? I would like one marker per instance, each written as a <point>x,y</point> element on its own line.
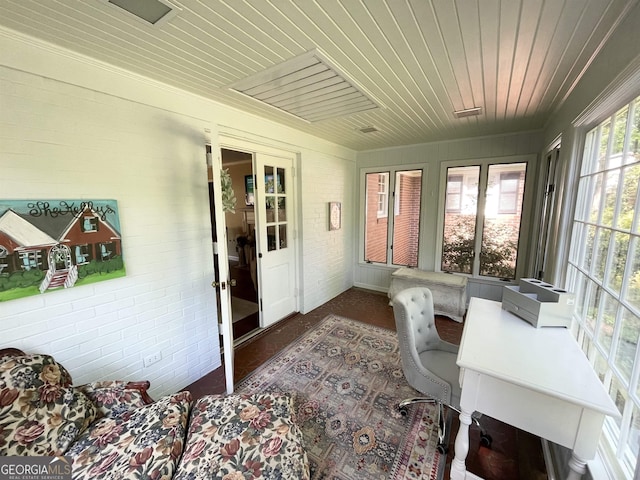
<point>524,253</point>
<point>458,194</point>
<point>391,171</point>
<point>504,176</point>
<point>613,452</point>
<point>34,258</point>
<point>383,194</point>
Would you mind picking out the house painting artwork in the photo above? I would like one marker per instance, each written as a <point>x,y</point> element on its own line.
<point>49,245</point>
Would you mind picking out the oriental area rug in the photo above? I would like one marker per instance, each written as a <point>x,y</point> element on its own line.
<point>346,381</point>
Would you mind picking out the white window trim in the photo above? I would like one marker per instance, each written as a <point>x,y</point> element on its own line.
<point>391,169</point>
<point>619,93</point>
<point>525,228</point>
<point>384,213</point>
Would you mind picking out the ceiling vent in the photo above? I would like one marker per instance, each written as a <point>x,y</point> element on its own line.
<point>469,112</point>
<point>154,12</point>
<point>370,129</point>
<point>310,87</point>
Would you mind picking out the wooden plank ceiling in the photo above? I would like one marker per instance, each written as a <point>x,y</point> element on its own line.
<point>418,61</point>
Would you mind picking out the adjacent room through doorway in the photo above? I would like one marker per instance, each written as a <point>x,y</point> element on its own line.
<point>241,243</point>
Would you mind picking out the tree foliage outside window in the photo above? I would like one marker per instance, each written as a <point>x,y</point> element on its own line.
<point>495,218</point>
<point>604,270</point>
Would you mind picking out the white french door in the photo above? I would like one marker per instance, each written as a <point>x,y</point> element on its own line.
<point>221,261</point>
<point>275,247</point>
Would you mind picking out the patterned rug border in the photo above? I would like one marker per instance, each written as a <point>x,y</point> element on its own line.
<point>256,381</point>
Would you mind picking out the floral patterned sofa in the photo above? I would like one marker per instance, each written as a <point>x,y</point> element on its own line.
<point>114,430</point>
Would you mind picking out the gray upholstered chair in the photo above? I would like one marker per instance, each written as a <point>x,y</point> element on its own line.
<point>428,362</point>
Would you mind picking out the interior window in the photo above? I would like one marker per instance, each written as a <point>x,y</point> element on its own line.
<point>458,239</point>
<point>481,233</point>
<point>406,221</point>
<point>400,192</point>
<point>376,220</point>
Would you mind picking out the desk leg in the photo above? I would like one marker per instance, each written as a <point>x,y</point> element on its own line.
<point>458,468</point>
<point>577,467</point>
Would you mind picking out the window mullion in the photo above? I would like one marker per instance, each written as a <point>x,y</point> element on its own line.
<point>391,194</point>
<point>480,217</point>
<point>635,224</point>
<point>629,129</point>
<point>625,425</point>
<point>635,375</point>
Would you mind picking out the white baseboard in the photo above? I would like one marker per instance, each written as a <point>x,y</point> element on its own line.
<point>375,288</point>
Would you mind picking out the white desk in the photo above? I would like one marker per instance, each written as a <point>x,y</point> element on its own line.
<point>536,379</point>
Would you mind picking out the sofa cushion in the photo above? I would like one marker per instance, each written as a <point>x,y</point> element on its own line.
<point>145,442</point>
<point>40,413</point>
<point>243,437</point>
<point>113,398</point>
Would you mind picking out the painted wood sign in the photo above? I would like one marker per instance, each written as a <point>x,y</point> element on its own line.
<point>54,244</point>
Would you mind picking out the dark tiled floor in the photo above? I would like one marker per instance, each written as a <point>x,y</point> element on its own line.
<point>244,290</point>
<point>514,454</point>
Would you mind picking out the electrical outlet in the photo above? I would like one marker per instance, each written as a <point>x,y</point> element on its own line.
<point>151,359</point>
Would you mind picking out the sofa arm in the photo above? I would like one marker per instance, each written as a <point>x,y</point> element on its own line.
<point>115,397</point>
<point>142,388</point>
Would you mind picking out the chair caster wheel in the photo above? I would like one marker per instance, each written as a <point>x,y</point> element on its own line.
<point>486,440</point>
<point>403,411</point>
<point>442,449</point>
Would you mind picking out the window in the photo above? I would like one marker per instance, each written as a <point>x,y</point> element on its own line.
<point>107,250</point>
<point>481,233</point>
<point>454,193</point>
<point>509,192</point>
<point>82,254</point>
<point>401,230</point>
<point>275,191</point>
<point>31,259</point>
<point>383,194</point>
<point>89,224</point>
<point>604,271</point>
<point>4,253</point>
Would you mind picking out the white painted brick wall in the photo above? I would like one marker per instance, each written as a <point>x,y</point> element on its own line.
<point>59,141</point>
<point>327,256</point>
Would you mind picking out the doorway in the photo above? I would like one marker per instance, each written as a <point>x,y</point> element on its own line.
<point>241,244</point>
<point>259,248</point>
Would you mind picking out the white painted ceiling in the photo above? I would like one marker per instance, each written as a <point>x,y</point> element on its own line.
<point>421,60</point>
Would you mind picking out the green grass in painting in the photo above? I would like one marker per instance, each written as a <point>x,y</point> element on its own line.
<point>16,293</point>
<point>99,277</point>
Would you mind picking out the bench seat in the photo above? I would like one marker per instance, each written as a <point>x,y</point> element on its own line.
<point>449,290</point>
